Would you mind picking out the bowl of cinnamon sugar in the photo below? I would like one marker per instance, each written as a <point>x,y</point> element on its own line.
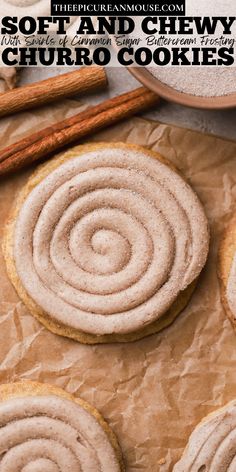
<point>198,87</point>
<point>190,60</point>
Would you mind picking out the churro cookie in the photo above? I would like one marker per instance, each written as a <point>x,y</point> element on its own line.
<point>211,446</point>
<point>44,428</point>
<point>105,243</point>
<point>227,270</point>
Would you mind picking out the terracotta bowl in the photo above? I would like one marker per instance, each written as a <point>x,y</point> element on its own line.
<point>172,95</point>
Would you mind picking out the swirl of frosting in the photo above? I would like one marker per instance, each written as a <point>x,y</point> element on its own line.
<point>53,434</point>
<point>211,447</point>
<point>106,242</point>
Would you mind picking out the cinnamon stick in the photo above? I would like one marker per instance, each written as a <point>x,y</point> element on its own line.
<point>51,90</point>
<point>52,139</point>
<point>95,110</point>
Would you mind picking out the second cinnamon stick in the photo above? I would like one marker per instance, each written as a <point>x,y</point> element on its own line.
<point>88,113</point>
<point>99,117</point>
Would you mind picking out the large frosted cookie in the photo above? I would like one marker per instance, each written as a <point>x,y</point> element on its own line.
<point>105,243</point>
<point>211,446</point>
<point>227,270</point>
<point>43,428</point>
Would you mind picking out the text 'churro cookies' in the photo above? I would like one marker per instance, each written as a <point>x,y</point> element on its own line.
<point>211,446</point>
<point>227,270</point>
<point>105,243</point>
<point>43,428</point>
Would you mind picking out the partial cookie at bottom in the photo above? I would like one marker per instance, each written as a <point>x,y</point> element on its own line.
<point>44,428</point>
<point>211,446</point>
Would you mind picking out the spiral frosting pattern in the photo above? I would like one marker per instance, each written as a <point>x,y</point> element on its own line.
<point>52,434</point>
<point>212,445</point>
<point>106,242</point>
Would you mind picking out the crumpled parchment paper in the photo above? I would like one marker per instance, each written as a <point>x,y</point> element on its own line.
<point>155,391</point>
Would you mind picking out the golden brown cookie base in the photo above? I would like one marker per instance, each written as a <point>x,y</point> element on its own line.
<point>28,388</point>
<point>63,330</point>
<point>226,255</point>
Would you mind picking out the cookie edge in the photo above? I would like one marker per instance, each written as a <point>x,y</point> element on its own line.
<point>204,420</point>
<point>227,249</point>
